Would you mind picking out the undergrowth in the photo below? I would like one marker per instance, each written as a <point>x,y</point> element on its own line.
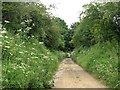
<point>27,63</point>
<point>101,60</point>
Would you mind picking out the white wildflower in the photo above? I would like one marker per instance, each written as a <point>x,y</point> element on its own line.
<point>32,53</point>
<point>48,52</point>
<point>34,43</point>
<point>6,80</point>
<point>7,42</point>
<point>22,23</point>
<point>19,58</point>
<point>28,36</point>
<point>26,75</point>
<point>41,54</point>
<point>14,68</point>
<point>21,52</point>
<point>52,59</point>
<point>43,70</point>
<point>9,71</point>
<point>28,28</point>
<point>26,51</point>
<point>6,36</point>
<point>41,43</point>
<point>45,57</point>
<point>33,24</point>
<point>33,48</point>
<point>1,36</point>
<point>3,32</point>
<point>23,42</point>
<point>20,67</point>
<point>20,30</point>
<point>32,36</point>
<point>11,54</point>
<point>16,45</point>
<point>7,46</point>
<point>4,29</point>
<point>7,21</point>
<point>30,20</point>
<point>36,57</point>
<point>26,20</point>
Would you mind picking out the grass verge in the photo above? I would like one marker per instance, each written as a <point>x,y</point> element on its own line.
<point>101,60</point>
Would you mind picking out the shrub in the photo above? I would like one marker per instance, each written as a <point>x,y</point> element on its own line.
<point>27,63</point>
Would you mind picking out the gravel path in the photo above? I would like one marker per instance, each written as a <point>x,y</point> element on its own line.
<point>71,75</point>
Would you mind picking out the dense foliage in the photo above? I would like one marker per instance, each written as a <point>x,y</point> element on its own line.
<point>98,23</point>
<point>101,60</point>
<point>66,35</point>
<point>96,40</point>
<point>27,64</point>
<point>30,38</point>
<point>32,41</point>
<point>34,20</point>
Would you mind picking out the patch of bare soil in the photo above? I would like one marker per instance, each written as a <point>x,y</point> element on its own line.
<point>71,75</point>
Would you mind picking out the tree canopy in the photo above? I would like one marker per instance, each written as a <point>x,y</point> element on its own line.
<point>98,23</point>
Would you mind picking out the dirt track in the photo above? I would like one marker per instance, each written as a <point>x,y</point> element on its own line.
<point>71,75</point>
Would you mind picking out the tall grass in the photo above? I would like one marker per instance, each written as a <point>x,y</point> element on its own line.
<point>101,60</point>
<point>27,63</point>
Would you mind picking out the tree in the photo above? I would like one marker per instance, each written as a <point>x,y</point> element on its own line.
<point>33,20</point>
